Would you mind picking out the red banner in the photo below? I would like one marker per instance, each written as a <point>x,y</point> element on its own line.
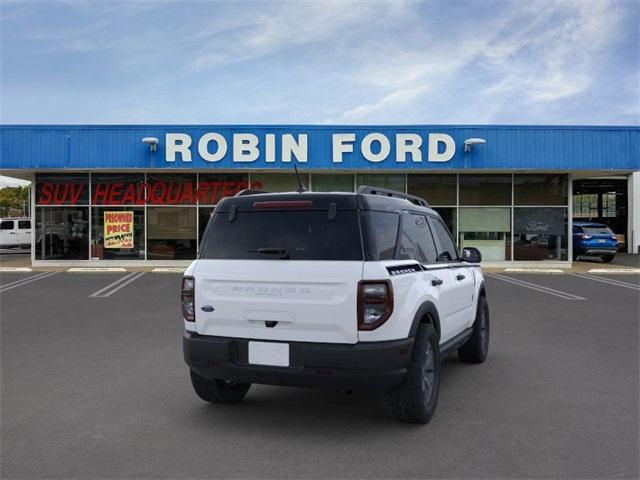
<point>153,193</point>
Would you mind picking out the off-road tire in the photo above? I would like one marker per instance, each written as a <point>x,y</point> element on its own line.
<point>476,348</point>
<point>414,401</point>
<point>218,391</point>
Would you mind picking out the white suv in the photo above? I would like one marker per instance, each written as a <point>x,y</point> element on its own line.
<point>343,290</point>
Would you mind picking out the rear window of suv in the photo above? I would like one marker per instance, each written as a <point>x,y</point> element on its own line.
<point>283,235</point>
<point>597,230</point>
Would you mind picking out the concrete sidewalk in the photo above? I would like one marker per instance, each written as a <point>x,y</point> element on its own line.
<point>21,259</point>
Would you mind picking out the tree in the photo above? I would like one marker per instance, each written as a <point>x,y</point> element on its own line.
<point>14,201</point>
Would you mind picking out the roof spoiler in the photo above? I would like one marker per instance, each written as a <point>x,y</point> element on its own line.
<point>365,189</point>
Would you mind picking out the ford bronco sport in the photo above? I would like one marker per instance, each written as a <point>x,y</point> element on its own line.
<point>343,290</point>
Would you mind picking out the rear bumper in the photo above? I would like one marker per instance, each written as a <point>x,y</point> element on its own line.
<point>375,366</point>
<point>599,251</point>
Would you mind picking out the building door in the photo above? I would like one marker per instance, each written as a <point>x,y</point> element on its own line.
<point>602,200</point>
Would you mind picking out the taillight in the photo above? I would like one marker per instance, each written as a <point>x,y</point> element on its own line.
<point>187,299</point>
<point>375,303</point>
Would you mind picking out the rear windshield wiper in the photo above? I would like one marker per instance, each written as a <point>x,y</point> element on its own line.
<point>284,254</point>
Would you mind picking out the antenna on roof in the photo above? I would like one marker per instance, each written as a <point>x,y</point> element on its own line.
<point>301,187</point>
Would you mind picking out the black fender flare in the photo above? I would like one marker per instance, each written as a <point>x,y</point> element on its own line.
<point>426,309</point>
<point>481,291</point>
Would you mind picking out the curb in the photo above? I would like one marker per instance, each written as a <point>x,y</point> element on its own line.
<point>555,271</point>
<point>96,269</point>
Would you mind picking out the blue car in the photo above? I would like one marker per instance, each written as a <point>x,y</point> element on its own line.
<point>594,239</point>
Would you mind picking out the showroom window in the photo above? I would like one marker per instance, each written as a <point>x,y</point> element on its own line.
<point>214,187</point>
<point>540,189</point>
<point>391,181</point>
<point>171,189</point>
<point>117,189</point>
<point>485,189</point>
<point>117,233</point>
<point>62,233</point>
<point>162,216</point>
<point>488,229</point>
<point>332,182</point>
<point>279,182</point>
<point>435,189</point>
<point>171,233</point>
<point>540,233</point>
<point>62,189</point>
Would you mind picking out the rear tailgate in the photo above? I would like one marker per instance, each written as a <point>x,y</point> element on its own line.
<point>599,236</point>
<point>278,300</point>
<point>281,267</point>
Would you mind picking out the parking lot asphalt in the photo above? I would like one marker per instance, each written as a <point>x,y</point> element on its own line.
<point>95,387</point>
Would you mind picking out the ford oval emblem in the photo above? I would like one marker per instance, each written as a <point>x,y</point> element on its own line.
<point>207,308</point>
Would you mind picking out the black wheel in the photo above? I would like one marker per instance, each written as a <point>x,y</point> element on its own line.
<point>607,258</point>
<point>415,400</point>
<point>476,348</point>
<point>218,391</point>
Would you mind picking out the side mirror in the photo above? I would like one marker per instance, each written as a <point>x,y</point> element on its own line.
<point>471,255</point>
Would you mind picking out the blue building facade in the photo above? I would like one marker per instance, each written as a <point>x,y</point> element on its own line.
<point>511,191</point>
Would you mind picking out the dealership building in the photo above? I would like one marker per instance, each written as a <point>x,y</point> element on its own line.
<point>142,194</point>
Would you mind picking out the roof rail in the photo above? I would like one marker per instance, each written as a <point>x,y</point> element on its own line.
<point>385,192</point>
<point>249,191</point>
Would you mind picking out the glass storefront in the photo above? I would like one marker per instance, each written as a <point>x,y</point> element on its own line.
<point>488,229</point>
<point>333,183</point>
<point>392,181</point>
<point>172,233</point>
<point>62,233</point>
<point>540,233</point>
<point>162,216</point>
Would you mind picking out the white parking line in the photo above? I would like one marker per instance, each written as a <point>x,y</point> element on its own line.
<point>117,285</point>
<point>24,281</point>
<point>610,281</point>
<point>96,269</point>
<point>535,286</point>
<point>614,270</point>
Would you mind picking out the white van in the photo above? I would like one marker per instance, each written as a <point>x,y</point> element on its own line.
<point>15,232</point>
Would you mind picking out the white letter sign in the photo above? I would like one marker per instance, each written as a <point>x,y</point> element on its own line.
<point>203,147</point>
<point>178,143</point>
<point>339,147</point>
<point>245,147</point>
<point>434,143</point>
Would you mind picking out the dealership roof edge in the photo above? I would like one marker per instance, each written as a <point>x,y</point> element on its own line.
<point>321,147</point>
<point>317,126</point>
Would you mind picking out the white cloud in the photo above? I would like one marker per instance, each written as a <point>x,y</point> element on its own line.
<point>344,61</point>
<point>532,53</point>
<point>399,98</point>
<point>12,182</point>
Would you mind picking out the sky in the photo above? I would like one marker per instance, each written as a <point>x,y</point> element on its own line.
<point>320,62</point>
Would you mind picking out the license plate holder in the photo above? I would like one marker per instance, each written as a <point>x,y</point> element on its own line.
<point>602,241</point>
<point>269,354</point>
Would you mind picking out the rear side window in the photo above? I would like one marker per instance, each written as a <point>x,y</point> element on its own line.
<point>6,225</point>
<point>24,224</point>
<point>283,235</point>
<point>447,251</point>
<point>381,234</point>
<point>415,241</point>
